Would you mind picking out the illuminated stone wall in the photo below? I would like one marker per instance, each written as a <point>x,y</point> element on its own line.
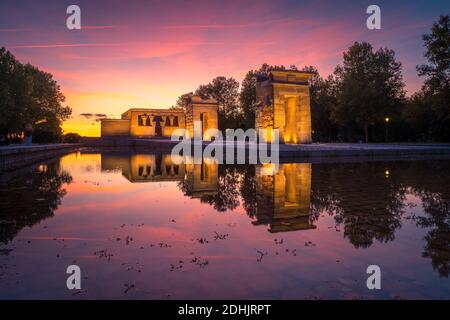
<point>144,122</point>
<point>114,127</point>
<point>283,103</point>
<point>144,167</point>
<point>201,179</point>
<point>202,109</point>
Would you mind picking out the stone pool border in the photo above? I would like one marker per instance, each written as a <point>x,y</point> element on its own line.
<point>17,156</point>
<point>293,152</point>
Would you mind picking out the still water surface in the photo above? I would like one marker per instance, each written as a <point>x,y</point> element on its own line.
<point>141,227</point>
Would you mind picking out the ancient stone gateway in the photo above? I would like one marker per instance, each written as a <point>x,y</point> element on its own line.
<point>205,111</point>
<point>283,103</point>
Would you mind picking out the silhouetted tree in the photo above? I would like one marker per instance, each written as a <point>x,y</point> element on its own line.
<point>369,87</point>
<point>226,92</point>
<point>71,138</point>
<point>29,96</point>
<point>436,89</point>
<point>323,99</point>
<point>183,101</point>
<point>419,118</point>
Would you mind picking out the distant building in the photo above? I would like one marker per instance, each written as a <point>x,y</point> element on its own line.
<point>283,103</point>
<point>147,123</point>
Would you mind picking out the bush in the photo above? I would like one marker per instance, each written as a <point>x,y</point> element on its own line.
<point>71,138</point>
<point>45,136</point>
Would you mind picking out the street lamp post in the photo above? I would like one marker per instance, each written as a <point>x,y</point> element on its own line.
<point>386,120</point>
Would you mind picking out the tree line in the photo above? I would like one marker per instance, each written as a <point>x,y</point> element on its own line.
<point>364,99</point>
<point>29,97</point>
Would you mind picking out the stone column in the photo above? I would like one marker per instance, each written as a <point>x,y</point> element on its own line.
<point>290,133</point>
<point>279,120</point>
<point>304,119</point>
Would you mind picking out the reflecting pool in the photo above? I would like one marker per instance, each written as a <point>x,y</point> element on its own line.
<point>142,227</point>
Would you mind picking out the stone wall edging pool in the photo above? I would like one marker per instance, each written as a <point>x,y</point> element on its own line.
<point>17,156</point>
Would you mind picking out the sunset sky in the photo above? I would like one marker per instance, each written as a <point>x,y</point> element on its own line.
<point>147,53</point>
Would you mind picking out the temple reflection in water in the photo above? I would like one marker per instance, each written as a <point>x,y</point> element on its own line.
<point>358,204</point>
<point>283,196</point>
<point>201,178</point>
<point>144,167</point>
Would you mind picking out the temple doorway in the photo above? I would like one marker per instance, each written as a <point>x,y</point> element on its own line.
<point>290,129</point>
<point>158,127</point>
<point>204,120</point>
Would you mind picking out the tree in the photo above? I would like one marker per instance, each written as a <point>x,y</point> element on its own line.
<point>9,80</point>
<point>437,71</point>
<point>71,137</point>
<point>419,117</point>
<point>322,98</point>
<point>436,89</point>
<point>29,96</point>
<point>183,101</point>
<point>369,87</point>
<point>226,92</point>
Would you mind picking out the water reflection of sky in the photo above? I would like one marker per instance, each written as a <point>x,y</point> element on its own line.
<point>141,227</point>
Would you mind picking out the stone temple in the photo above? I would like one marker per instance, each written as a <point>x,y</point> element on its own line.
<point>283,103</point>
<point>148,123</point>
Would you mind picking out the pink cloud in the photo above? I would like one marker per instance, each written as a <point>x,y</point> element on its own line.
<point>16,30</point>
<point>97,27</point>
<point>64,45</point>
